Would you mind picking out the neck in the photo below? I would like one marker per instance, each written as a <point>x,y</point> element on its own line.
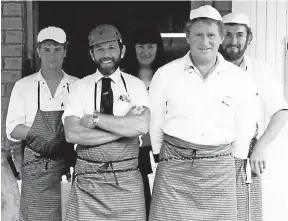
<point>51,74</point>
<point>238,62</point>
<point>204,66</point>
<point>145,73</point>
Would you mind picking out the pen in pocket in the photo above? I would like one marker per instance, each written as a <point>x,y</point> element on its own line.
<point>62,106</point>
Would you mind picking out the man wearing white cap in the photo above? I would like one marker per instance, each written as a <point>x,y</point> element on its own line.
<point>198,110</point>
<point>105,114</point>
<point>34,117</point>
<point>238,37</point>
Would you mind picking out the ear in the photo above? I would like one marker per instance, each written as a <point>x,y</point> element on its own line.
<point>91,54</point>
<point>123,51</point>
<point>38,52</point>
<point>187,37</point>
<point>250,37</point>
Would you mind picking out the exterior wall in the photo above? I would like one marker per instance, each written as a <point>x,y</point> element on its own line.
<point>13,47</point>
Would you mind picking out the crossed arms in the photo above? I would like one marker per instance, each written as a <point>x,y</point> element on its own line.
<point>109,128</point>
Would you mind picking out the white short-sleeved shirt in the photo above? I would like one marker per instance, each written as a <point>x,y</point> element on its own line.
<point>219,109</point>
<point>24,99</point>
<point>81,100</point>
<point>269,89</point>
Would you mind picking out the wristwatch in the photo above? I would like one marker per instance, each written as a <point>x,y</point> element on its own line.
<point>95,119</point>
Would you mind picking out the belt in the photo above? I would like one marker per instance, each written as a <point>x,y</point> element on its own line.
<point>103,168</point>
<point>194,157</point>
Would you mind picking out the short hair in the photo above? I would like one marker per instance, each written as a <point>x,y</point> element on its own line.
<point>91,48</point>
<point>144,34</point>
<point>248,29</point>
<point>221,26</point>
<point>55,43</point>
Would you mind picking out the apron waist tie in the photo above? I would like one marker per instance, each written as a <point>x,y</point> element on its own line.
<point>106,165</point>
<point>194,157</point>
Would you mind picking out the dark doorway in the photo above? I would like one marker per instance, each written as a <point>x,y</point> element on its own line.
<point>78,18</point>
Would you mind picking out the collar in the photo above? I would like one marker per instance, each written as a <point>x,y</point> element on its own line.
<point>189,64</point>
<point>244,63</point>
<point>38,77</point>
<point>115,77</point>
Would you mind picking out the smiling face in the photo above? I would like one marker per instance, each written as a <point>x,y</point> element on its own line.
<point>52,55</point>
<point>204,40</point>
<point>235,42</point>
<point>107,56</point>
<point>146,53</point>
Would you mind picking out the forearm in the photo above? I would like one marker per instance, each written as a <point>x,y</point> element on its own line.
<point>20,132</point>
<point>274,127</point>
<point>127,126</point>
<point>78,134</point>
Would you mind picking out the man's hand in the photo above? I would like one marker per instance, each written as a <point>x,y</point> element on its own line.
<point>135,110</point>
<point>86,121</point>
<point>258,159</point>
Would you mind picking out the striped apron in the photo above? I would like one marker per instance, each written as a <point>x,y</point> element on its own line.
<point>43,165</point>
<point>108,184</point>
<point>249,190</point>
<point>194,182</point>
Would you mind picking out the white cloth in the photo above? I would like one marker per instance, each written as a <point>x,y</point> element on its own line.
<point>271,98</point>
<point>217,110</point>
<point>24,100</point>
<point>81,100</point>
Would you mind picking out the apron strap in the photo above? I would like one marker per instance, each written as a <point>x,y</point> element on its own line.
<point>38,95</point>
<point>95,91</point>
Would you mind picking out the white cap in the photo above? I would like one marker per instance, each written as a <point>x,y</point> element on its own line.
<point>205,11</point>
<point>52,33</point>
<point>237,18</point>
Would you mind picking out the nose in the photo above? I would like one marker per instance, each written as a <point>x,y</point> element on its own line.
<point>234,39</point>
<point>205,40</point>
<point>145,50</point>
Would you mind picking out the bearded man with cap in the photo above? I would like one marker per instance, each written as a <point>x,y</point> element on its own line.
<point>274,110</point>
<point>199,109</point>
<point>34,117</point>
<point>106,113</point>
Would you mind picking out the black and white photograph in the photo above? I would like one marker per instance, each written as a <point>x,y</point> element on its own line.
<point>144,110</point>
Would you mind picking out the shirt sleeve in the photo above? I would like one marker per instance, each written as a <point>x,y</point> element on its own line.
<point>73,105</point>
<point>16,110</point>
<point>270,93</point>
<point>246,112</point>
<point>158,98</point>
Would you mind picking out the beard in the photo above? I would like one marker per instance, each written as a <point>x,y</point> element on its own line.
<point>108,69</point>
<point>231,55</point>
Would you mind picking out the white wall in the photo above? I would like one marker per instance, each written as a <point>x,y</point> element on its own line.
<point>269,21</point>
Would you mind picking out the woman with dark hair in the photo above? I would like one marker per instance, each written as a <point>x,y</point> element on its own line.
<point>144,56</point>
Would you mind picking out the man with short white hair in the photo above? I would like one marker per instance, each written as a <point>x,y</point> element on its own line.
<point>34,116</point>
<point>199,110</point>
<point>238,37</point>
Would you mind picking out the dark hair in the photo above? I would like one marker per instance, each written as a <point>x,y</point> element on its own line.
<point>221,26</point>
<point>143,35</point>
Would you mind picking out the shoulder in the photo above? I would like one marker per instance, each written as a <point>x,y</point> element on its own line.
<point>26,82</point>
<point>72,79</point>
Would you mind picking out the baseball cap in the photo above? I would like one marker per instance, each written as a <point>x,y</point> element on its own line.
<point>52,33</point>
<point>103,33</point>
<point>237,18</point>
<point>205,11</point>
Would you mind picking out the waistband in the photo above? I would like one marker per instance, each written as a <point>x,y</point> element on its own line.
<point>85,166</point>
<point>174,148</point>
